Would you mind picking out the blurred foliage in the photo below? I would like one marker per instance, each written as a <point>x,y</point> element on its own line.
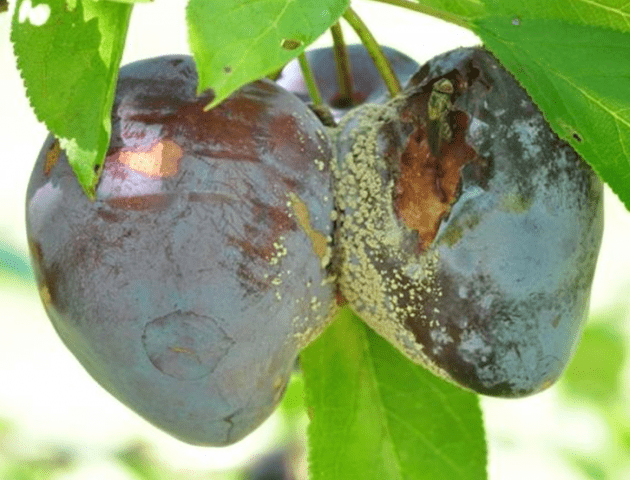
<point>593,381</point>
<point>138,460</point>
<point>594,374</point>
<point>590,469</point>
<point>23,464</point>
<point>143,464</point>
<point>14,265</point>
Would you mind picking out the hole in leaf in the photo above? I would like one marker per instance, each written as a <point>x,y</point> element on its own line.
<point>37,15</point>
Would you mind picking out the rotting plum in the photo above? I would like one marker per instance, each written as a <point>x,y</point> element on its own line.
<point>188,287</point>
<point>467,231</point>
<point>367,82</point>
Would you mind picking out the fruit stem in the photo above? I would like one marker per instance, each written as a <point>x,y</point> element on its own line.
<point>309,79</point>
<point>344,69</point>
<point>370,44</point>
<point>429,10</point>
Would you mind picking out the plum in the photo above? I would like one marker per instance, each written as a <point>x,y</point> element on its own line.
<point>189,285</point>
<point>368,85</point>
<point>467,231</point>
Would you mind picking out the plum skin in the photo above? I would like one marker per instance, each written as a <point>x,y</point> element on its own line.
<point>188,287</point>
<point>492,294</point>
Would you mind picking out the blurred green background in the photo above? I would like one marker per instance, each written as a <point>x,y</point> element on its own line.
<point>57,423</point>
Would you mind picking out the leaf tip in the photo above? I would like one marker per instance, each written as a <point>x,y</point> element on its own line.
<point>215,101</point>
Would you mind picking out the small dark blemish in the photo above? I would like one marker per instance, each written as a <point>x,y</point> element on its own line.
<point>154,201</point>
<point>107,215</point>
<point>290,44</point>
<point>420,75</point>
<point>227,69</point>
<point>52,155</point>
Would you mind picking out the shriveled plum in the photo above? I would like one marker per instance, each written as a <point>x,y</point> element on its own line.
<point>468,232</point>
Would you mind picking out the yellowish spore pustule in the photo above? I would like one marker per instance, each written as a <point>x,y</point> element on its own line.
<point>378,276</point>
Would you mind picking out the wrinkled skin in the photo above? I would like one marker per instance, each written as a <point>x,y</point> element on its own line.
<point>190,284</point>
<point>477,262</point>
<point>368,85</point>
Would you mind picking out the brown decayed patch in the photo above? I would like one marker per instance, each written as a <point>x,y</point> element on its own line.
<point>162,160</point>
<point>427,186</point>
<point>156,201</point>
<point>320,243</point>
<point>52,155</point>
<point>47,279</point>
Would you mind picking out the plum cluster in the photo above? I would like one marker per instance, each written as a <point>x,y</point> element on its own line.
<point>450,218</point>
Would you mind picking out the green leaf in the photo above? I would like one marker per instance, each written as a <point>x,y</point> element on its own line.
<point>292,405</point>
<point>375,415</point>
<point>130,1</point>
<point>138,459</point>
<point>68,53</point>
<point>235,42</point>
<point>573,58</point>
<point>611,14</point>
<point>595,371</point>
<point>465,9</point>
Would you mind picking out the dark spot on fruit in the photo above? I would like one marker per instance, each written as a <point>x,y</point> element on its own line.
<point>185,345</point>
<point>108,215</point>
<point>342,102</point>
<point>421,74</point>
<point>155,202</point>
<point>52,156</point>
<point>227,69</point>
<point>50,280</point>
